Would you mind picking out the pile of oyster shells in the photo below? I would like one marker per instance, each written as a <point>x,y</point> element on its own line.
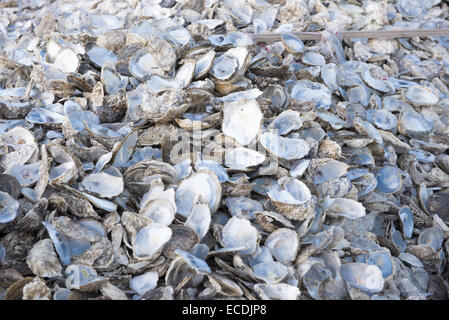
<point>153,150</point>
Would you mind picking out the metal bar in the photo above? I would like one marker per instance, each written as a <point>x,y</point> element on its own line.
<point>372,34</point>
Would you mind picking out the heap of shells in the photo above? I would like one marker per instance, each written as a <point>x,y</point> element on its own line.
<point>154,150</point>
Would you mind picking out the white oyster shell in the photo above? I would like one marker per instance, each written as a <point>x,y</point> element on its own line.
<point>204,184</point>
<point>159,206</point>
<point>343,207</point>
<point>242,120</point>
<point>270,272</point>
<point>26,174</point>
<point>288,120</point>
<point>150,240</point>
<point>67,61</point>
<point>147,281</point>
<point>199,218</point>
<point>238,232</point>
<point>363,276</point>
<point>158,58</point>
<point>8,207</point>
<point>103,184</point>
<point>292,198</point>
<point>283,244</point>
<point>100,56</point>
<point>284,148</point>
<point>243,158</point>
<point>278,291</point>
<point>421,96</point>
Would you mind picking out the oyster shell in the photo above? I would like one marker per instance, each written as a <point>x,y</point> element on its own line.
<point>242,120</point>
<point>292,198</point>
<point>239,233</point>
<point>188,191</point>
<point>150,240</point>
<point>363,276</point>
<point>43,261</point>
<point>157,58</point>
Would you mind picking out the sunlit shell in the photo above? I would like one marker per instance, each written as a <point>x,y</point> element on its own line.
<point>203,64</point>
<point>63,173</point>
<point>413,124</point>
<point>329,76</point>
<point>225,66</point>
<point>203,183</point>
<point>170,104</point>
<point>233,38</point>
<point>197,150</point>
<point>278,96</point>
<point>378,84</point>
<point>243,158</point>
<point>421,96</point>
<point>307,91</point>
<point>243,207</point>
<point>100,56</point>
<point>347,208</point>
<point>411,259</point>
<point>313,278</point>
<point>293,199</point>
<point>388,179</point>
<point>158,58</point>
<point>36,290</point>
<point>383,261</point>
<point>410,8</point>
<point>242,120</point>
<point>432,236</point>
<point>323,170</point>
<point>145,282</point>
<point>122,152</point>
<point>67,61</point>
<point>212,166</point>
<point>184,75</point>
<point>382,119</point>
<point>159,206</point>
<point>9,207</point>
<point>238,232</point>
<point>283,244</point>
<point>279,291</point>
<point>363,276</point>
<point>286,121</point>
<point>103,184</point>
<point>199,218</point>
<point>83,278</point>
<point>111,79</point>
<point>150,240</point>
<point>22,142</point>
<point>26,174</point>
<point>284,148</point>
<point>313,58</point>
<point>184,169</point>
<point>45,116</point>
<point>365,128</point>
<point>270,272</point>
<point>292,43</point>
<point>105,22</point>
<point>158,84</point>
<point>406,218</point>
<point>60,243</point>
